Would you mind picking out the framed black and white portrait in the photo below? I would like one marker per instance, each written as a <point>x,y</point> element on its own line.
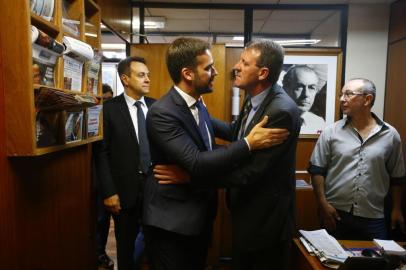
<point>312,78</point>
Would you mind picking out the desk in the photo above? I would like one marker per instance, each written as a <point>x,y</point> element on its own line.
<point>304,261</point>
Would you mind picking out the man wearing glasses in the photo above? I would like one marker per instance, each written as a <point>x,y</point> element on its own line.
<point>354,164</point>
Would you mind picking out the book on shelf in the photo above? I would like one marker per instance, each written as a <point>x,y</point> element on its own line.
<point>93,69</point>
<point>43,8</point>
<point>73,126</point>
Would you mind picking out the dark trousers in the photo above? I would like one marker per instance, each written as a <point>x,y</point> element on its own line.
<point>172,251</point>
<point>103,227</point>
<point>352,227</point>
<point>126,227</point>
<point>275,257</point>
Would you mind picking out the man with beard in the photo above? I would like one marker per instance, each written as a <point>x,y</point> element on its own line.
<point>178,218</point>
<point>301,84</point>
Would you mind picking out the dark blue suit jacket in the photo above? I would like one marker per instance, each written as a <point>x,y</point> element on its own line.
<point>175,139</point>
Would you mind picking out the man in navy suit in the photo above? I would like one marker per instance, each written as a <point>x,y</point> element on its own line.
<point>123,159</point>
<point>178,218</point>
<point>262,189</point>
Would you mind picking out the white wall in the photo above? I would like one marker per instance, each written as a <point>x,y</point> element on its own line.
<point>367,42</point>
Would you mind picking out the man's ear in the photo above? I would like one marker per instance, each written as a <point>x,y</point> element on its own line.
<point>124,79</point>
<point>368,100</point>
<point>263,73</point>
<point>187,74</point>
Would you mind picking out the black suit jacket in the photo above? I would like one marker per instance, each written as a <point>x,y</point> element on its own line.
<point>175,139</point>
<point>262,191</point>
<point>117,155</point>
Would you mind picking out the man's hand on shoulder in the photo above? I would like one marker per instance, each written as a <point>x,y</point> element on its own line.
<point>112,204</point>
<point>261,137</point>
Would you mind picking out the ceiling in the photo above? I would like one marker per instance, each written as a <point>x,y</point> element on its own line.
<point>222,25</point>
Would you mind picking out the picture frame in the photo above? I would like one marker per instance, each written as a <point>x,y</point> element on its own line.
<point>319,72</point>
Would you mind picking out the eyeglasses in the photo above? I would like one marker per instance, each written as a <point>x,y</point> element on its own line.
<point>349,94</point>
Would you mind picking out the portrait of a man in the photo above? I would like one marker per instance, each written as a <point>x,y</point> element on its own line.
<point>306,86</point>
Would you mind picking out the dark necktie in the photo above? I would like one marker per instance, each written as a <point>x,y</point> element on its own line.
<point>145,156</point>
<point>246,111</point>
<point>203,118</point>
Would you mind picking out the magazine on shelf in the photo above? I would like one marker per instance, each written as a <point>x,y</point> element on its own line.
<point>43,8</point>
<point>68,24</point>
<point>46,41</point>
<point>73,126</point>
<point>93,68</point>
<point>43,63</point>
<point>77,49</point>
<point>93,120</point>
<point>47,128</point>
<point>72,76</point>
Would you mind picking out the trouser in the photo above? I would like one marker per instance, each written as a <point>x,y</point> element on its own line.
<point>352,227</point>
<point>172,251</point>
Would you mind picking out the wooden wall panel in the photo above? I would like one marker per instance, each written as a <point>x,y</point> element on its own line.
<point>397,24</point>
<point>155,55</point>
<point>395,97</point>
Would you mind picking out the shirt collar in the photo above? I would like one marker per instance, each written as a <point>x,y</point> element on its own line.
<point>379,122</point>
<point>130,101</point>
<point>190,101</point>
<point>258,99</point>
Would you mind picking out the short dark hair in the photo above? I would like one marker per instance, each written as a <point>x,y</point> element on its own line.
<point>271,56</point>
<point>367,88</point>
<point>124,66</point>
<point>182,53</point>
<point>107,88</point>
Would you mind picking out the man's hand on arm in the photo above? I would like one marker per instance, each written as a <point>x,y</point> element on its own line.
<point>112,204</point>
<point>261,137</point>
<point>328,214</point>
<point>171,174</point>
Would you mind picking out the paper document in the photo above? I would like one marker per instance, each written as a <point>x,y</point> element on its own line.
<point>390,247</point>
<point>325,244</point>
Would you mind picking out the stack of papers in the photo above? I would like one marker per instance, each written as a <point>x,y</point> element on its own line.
<point>390,247</point>
<point>325,247</point>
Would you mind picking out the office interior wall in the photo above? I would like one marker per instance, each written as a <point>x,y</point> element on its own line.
<point>367,43</point>
<point>395,98</point>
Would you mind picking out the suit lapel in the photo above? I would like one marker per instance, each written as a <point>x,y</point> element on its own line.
<point>260,112</point>
<point>187,117</point>
<point>126,116</point>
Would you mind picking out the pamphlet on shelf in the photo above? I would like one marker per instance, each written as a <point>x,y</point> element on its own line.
<point>300,183</point>
<point>73,126</point>
<point>72,76</point>
<point>93,120</point>
<point>93,68</point>
<point>43,63</point>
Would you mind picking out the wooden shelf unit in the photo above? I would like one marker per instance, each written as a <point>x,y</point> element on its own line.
<point>16,47</point>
